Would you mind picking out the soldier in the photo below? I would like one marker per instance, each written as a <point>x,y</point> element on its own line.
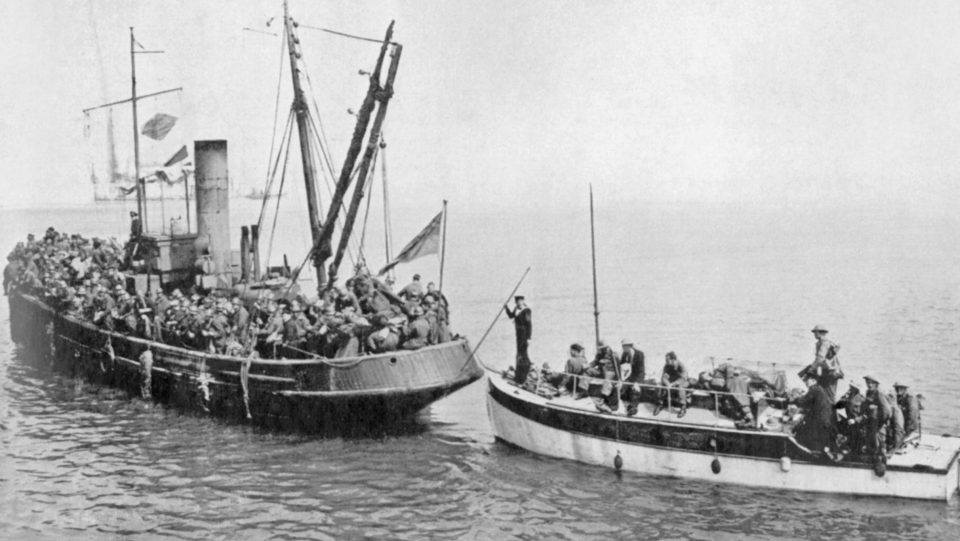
<point>633,359</point>
<point>416,331</point>
<point>384,339</point>
<point>291,328</point>
<point>674,377</point>
<point>878,412</point>
<point>412,291</point>
<point>895,431</point>
<point>853,426</point>
<point>826,363</point>
<point>522,318</point>
<point>441,299</point>
<point>910,407</point>
<point>817,430</point>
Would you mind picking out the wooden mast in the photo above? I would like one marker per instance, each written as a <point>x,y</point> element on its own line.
<point>306,154</point>
<point>383,96</point>
<point>141,195</point>
<point>593,255</point>
<point>323,249</point>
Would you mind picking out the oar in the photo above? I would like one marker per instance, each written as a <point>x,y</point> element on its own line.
<point>502,307</point>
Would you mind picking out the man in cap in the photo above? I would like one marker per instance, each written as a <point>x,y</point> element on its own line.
<point>633,359</point>
<point>910,406</point>
<point>878,412</point>
<point>674,378</point>
<point>826,363</point>
<point>605,365</point>
<point>522,318</point>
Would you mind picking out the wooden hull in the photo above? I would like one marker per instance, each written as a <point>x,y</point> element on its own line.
<point>309,395</point>
<point>664,445</point>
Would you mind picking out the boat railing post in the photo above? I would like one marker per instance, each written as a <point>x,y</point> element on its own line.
<point>716,405</point>
<point>669,403</point>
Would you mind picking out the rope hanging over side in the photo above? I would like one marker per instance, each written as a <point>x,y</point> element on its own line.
<point>244,385</point>
<point>146,374</point>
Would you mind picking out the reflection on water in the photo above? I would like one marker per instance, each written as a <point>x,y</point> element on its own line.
<point>77,460</point>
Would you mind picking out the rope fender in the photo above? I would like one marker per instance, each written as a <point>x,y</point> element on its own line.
<point>244,376</point>
<point>146,370</point>
<point>203,380</point>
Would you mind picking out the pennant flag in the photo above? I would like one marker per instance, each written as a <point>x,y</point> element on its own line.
<point>128,191</point>
<point>425,243</point>
<point>159,126</point>
<point>180,155</point>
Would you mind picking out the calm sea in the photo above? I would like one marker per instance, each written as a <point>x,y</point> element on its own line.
<point>78,461</point>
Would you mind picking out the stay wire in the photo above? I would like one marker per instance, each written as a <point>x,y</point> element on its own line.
<point>283,178</point>
<point>276,116</point>
<point>288,133</point>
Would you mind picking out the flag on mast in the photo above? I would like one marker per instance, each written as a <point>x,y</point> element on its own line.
<point>425,243</point>
<point>180,155</point>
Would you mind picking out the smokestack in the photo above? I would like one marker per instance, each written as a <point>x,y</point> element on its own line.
<point>213,207</point>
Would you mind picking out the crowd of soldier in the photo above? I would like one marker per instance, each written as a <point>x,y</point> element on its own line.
<point>82,278</point>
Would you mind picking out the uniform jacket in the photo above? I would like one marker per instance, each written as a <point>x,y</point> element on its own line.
<point>637,368</point>
<point>522,321</point>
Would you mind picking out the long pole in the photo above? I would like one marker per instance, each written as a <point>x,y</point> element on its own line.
<point>387,233</point>
<point>593,255</point>
<point>141,189</point>
<point>499,312</point>
<point>443,244</point>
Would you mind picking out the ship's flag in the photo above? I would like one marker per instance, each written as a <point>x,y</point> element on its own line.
<point>159,126</point>
<point>425,243</point>
<point>180,155</point>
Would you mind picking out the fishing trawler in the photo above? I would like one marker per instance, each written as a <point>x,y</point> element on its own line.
<point>704,439</point>
<point>297,389</point>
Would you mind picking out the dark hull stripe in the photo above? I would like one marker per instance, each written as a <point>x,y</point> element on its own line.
<point>680,437</point>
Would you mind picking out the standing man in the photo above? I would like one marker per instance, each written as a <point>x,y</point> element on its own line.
<point>826,363</point>
<point>412,291</point>
<point>522,318</point>
<point>633,358</point>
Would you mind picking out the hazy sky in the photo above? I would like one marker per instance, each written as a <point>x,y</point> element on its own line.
<point>506,102</point>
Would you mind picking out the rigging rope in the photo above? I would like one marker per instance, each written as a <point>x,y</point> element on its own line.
<point>288,131</point>
<point>273,229</point>
<point>344,34</point>
<point>366,213</point>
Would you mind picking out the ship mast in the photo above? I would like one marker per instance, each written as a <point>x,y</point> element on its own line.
<point>382,95</point>
<point>306,154</point>
<point>141,195</point>
<point>323,249</point>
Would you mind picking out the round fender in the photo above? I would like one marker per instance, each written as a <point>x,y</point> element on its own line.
<point>618,461</point>
<point>715,465</point>
<point>785,463</point>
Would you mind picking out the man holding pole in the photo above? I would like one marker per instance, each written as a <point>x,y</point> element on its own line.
<point>523,324</point>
